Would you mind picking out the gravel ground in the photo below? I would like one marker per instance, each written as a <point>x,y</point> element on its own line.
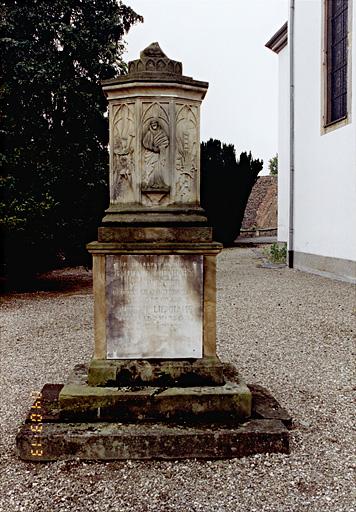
<point>289,331</point>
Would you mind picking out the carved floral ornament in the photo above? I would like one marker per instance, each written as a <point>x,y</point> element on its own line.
<point>123,164</point>
<point>187,152</point>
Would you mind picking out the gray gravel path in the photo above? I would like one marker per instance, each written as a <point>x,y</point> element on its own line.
<point>289,331</point>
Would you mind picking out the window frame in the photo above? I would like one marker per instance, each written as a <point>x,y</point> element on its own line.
<point>326,124</point>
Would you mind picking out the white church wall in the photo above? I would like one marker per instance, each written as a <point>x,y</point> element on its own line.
<point>283,144</point>
<point>325,164</point>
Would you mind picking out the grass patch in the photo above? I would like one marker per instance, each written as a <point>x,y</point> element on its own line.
<point>276,253</point>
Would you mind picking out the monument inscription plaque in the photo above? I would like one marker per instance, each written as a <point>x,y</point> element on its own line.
<point>154,306</point>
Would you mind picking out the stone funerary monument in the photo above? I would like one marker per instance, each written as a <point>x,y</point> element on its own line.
<point>154,262</point>
<point>155,387</point>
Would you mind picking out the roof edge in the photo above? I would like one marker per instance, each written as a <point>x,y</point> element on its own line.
<point>279,40</point>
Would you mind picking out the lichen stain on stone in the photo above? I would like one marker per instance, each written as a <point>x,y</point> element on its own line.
<point>155,306</point>
<point>193,266</point>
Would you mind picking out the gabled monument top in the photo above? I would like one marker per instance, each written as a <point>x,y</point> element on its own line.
<point>154,60</point>
<point>154,65</point>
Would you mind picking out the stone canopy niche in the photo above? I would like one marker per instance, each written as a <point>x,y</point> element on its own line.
<point>154,114</point>
<point>155,387</point>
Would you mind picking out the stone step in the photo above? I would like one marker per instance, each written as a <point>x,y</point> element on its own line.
<point>45,436</point>
<point>115,441</point>
<point>80,402</point>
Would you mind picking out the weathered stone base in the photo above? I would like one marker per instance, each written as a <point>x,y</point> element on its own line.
<point>233,400</point>
<point>80,402</point>
<point>114,441</point>
<point>207,371</point>
<point>265,432</point>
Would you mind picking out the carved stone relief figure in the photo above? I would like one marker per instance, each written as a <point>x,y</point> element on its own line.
<point>186,153</point>
<point>123,165</point>
<point>156,146</point>
<point>156,142</point>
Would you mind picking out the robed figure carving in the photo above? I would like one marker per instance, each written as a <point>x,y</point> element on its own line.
<point>156,143</point>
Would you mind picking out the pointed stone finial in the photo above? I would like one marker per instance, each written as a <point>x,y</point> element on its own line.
<point>154,61</point>
<point>153,50</point>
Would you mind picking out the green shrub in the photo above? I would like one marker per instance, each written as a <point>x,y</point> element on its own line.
<point>277,253</point>
<point>273,165</point>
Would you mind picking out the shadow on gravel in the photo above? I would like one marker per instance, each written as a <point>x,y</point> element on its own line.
<point>244,245</point>
<point>68,280</point>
